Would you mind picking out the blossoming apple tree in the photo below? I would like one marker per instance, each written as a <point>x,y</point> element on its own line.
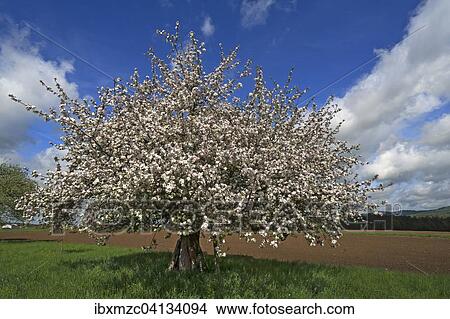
<point>255,163</point>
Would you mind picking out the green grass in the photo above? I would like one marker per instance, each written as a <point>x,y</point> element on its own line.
<point>402,233</point>
<point>44,270</point>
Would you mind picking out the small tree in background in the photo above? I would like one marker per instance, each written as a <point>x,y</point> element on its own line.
<point>14,183</point>
<point>262,166</point>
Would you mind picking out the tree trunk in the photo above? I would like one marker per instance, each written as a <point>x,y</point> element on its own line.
<point>215,242</point>
<point>188,254</point>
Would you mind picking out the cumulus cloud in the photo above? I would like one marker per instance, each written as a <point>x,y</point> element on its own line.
<point>208,27</point>
<point>255,12</point>
<point>437,132</point>
<point>10,156</point>
<point>408,82</point>
<point>41,161</point>
<point>45,160</point>
<point>417,195</point>
<point>405,162</point>
<point>21,69</point>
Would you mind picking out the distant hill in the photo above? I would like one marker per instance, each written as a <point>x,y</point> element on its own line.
<point>439,212</point>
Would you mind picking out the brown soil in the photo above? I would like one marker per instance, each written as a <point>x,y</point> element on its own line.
<point>419,254</point>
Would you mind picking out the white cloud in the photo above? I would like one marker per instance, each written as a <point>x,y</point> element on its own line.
<point>208,27</point>
<point>437,132</point>
<point>417,194</point>
<point>404,162</point>
<point>41,161</point>
<point>45,160</point>
<point>10,156</point>
<point>407,83</point>
<point>255,12</point>
<point>21,69</point>
<point>410,80</point>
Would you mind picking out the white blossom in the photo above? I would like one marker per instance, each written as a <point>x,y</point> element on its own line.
<point>182,133</point>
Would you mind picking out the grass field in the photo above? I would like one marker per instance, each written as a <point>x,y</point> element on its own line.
<point>49,270</point>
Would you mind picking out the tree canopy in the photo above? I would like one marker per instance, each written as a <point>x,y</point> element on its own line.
<point>256,163</point>
<point>14,183</point>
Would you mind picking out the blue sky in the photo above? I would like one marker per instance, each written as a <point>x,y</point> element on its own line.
<point>322,40</point>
